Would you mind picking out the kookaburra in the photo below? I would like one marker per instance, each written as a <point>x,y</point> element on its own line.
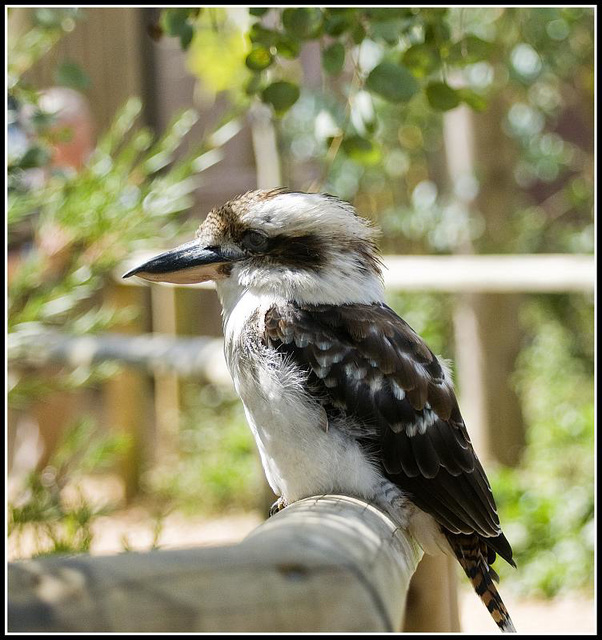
<point>341,394</point>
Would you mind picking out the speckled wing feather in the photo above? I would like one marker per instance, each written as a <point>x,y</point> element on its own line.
<point>365,362</point>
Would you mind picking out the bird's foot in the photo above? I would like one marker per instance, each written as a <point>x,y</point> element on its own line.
<point>277,506</point>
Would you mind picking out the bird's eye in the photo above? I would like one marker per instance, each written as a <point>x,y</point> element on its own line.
<point>254,240</point>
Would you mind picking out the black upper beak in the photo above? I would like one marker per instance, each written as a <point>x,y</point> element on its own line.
<point>186,264</point>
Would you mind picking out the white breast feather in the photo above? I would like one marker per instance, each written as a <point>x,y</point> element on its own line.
<point>301,454</point>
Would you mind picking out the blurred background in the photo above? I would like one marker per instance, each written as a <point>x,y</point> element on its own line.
<point>460,132</point>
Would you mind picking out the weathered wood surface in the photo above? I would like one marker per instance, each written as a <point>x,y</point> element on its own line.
<point>491,273</point>
<point>331,563</point>
<point>200,357</point>
<point>551,273</point>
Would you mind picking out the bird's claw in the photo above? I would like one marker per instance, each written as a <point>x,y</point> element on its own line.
<point>277,506</point>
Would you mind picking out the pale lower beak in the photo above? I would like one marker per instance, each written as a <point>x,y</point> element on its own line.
<point>187,264</point>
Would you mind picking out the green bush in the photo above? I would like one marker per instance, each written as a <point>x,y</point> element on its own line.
<point>547,503</point>
<point>217,467</point>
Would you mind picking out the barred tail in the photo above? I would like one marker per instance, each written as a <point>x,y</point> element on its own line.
<point>473,556</point>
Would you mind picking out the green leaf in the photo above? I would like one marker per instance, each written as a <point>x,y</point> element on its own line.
<point>361,150</point>
<point>259,59</point>
<point>442,97</point>
<point>281,95</point>
<point>186,35</point>
<point>387,30</point>
<point>34,157</point>
<point>333,58</point>
<point>392,81</point>
<point>422,59</point>
<point>437,32</point>
<point>469,50</point>
<point>175,23</point>
<point>288,47</point>
<point>258,11</point>
<point>359,33</point>
<point>70,74</point>
<point>174,20</point>
<point>336,24</point>
<point>385,13</point>
<point>303,23</point>
<point>254,85</point>
<point>258,34</point>
<point>474,100</point>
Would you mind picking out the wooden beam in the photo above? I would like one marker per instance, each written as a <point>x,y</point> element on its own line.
<point>125,395</point>
<point>491,273</point>
<point>323,564</point>
<point>199,357</point>
<point>167,384</point>
<point>551,273</point>
<point>432,604</point>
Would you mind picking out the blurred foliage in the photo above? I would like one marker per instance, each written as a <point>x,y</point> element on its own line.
<point>72,228</point>
<point>49,26</point>
<point>547,504</point>
<point>83,224</point>
<point>216,466</point>
<point>372,123</point>
<point>67,231</point>
<point>30,131</point>
<point>52,506</point>
<point>391,161</point>
<point>417,43</point>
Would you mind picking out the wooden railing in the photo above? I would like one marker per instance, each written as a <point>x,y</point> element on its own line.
<point>325,564</point>
<point>560,272</point>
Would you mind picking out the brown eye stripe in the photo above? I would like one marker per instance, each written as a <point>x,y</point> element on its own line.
<point>306,251</point>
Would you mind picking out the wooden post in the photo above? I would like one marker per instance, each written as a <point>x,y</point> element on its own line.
<point>177,311</point>
<point>126,395</point>
<point>486,325</point>
<point>487,329</point>
<point>432,604</point>
<point>328,564</point>
<point>167,387</point>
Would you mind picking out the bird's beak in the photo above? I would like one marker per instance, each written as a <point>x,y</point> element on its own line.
<point>187,264</point>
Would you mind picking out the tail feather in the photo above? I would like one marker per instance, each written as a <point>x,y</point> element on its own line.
<point>471,552</point>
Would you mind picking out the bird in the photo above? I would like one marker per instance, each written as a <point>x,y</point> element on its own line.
<point>341,394</point>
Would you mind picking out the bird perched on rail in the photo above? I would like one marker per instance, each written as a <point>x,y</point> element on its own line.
<point>341,394</point>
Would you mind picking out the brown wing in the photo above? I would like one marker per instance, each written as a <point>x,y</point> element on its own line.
<point>366,362</point>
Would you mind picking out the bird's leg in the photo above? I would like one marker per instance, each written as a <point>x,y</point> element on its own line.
<point>391,499</point>
<point>277,506</point>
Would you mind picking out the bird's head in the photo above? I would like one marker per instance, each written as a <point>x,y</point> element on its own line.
<point>307,247</point>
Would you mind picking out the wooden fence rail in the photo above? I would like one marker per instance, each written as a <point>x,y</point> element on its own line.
<point>330,563</point>
<point>200,357</point>
<point>551,273</point>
